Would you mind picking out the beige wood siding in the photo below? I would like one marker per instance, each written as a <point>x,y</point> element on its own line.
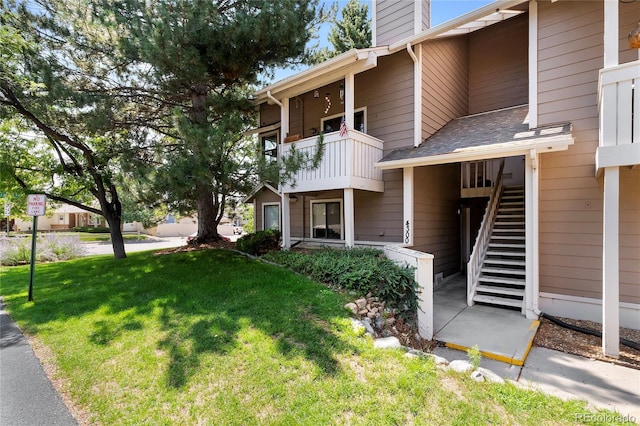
<point>387,91</point>
<point>394,21</point>
<point>570,54</point>
<point>630,235</point>
<point>380,213</point>
<point>498,66</point>
<point>445,88</point>
<point>269,114</point>
<point>264,196</point>
<point>436,221</point>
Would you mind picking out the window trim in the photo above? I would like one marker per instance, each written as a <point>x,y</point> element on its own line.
<point>355,111</point>
<point>324,201</point>
<point>261,137</point>
<point>272,203</point>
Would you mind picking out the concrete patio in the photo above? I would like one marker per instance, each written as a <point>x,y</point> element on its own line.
<point>501,334</point>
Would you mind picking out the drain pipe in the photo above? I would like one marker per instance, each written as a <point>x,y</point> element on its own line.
<point>556,321</point>
<point>274,100</point>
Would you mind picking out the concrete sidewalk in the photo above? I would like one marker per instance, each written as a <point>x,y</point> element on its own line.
<point>601,384</point>
<point>27,396</point>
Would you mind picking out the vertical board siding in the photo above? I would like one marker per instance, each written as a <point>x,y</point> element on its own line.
<point>445,77</point>
<point>570,55</point>
<point>498,66</point>
<point>436,222</point>
<point>394,20</point>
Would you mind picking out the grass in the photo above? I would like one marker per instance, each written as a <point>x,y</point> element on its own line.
<point>211,337</point>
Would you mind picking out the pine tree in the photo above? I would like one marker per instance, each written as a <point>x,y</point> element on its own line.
<point>353,31</point>
<point>202,57</point>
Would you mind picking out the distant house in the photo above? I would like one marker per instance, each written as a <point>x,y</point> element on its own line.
<point>505,142</point>
<point>63,218</point>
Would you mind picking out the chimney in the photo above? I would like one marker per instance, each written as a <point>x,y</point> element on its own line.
<point>394,20</point>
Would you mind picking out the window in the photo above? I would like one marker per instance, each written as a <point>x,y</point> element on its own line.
<point>332,123</point>
<point>326,219</point>
<point>269,146</point>
<point>271,216</point>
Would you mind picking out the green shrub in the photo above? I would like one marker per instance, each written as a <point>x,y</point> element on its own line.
<point>91,229</point>
<point>360,270</point>
<point>260,242</point>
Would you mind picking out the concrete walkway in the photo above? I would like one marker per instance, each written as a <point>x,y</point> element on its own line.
<point>603,385</point>
<point>27,396</point>
<point>501,334</point>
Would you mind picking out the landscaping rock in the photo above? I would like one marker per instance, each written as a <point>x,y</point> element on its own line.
<point>358,326</point>
<point>362,303</point>
<point>352,307</point>
<point>438,360</point>
<point>367,325</point>
<point>460,366</point>
<point>477,376</point>
<point>411,354</point>
<point>387,343</point>
<point>490,376</point>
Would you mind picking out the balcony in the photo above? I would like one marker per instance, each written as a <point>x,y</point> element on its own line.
<point>619,106</point>
<point>348,162</point>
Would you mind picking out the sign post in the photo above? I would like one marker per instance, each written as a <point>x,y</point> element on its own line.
<point>7,213</point>
<point>36,206</point>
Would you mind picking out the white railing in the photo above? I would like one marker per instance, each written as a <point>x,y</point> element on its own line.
<point>477,177</point>
<point>482,241</point>
<point>348,162</point>
<point>619,104</point>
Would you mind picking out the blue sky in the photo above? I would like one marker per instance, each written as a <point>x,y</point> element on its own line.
<point>441,11</point>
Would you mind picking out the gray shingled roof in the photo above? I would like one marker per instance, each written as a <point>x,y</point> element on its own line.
<point>497,129</point>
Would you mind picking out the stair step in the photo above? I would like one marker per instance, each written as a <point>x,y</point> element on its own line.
<point>505,262</point>
<point>516,282</point>
<point>497,300</point>
<point>505,245</point>
<point>509,237</point>
<point>505,271</point>
<point>506,253</point>
<point>500,290</point>
<point>509,223</point>
<point>511,203</point>
<point>510,216</point>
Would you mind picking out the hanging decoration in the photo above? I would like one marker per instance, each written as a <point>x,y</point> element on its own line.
<point>327,98</point>
<point>634,38</point>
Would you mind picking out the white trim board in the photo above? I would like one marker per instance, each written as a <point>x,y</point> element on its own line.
<point>585,308</point>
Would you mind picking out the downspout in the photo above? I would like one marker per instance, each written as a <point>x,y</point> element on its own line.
<point>417,96</point>
<point>274,100</point>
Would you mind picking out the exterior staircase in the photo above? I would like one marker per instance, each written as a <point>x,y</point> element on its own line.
<point>502,275</point>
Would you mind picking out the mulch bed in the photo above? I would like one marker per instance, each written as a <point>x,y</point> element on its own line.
<point>561,339</point>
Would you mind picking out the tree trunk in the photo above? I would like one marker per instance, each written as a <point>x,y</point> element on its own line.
<point>117,240</point>
<point>112,213</point>
<point>207,214</point>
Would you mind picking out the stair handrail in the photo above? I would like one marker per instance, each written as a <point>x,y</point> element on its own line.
<point>484,234</point>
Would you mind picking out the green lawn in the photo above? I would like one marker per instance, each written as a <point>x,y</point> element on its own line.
<point>211,337</point>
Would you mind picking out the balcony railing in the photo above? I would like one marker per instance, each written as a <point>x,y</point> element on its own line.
<point>348,162</point>
<point>619,105</point>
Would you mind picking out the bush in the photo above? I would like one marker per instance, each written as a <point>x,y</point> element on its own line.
<point>259,242</point>
<point>49,248</point>
<point>360,270</point>
<point>91,229</point>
